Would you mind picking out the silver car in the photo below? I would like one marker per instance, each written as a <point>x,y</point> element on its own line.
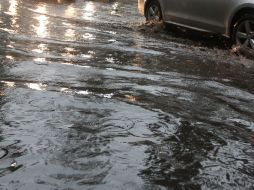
<point>232,18</point>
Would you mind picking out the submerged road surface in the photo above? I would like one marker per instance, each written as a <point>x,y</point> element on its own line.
<point>90,99</point>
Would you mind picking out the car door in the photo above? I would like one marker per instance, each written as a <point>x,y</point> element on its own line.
<point>202,14</point>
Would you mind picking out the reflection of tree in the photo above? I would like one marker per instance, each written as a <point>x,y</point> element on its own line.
<point>177,160</point>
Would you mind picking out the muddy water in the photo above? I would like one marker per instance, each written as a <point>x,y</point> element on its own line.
<point>91,100</point>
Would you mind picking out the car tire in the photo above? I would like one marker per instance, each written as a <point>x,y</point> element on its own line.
<point>243,31</point>
<point>153,11</point>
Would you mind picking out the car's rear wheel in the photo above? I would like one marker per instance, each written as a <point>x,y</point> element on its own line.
<point>243,32</point>
<point>153,11</point>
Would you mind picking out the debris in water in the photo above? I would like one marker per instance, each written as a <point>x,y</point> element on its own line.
<point>244,51</point>
<point>13,164</point>
<point>152,26</point>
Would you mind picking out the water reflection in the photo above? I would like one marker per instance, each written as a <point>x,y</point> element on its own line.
<point>41,49</point>
<point>115,8</point>
<point>9,57</point>
<point>70,52</point>
<point>13,11</point>
<point>70,34</point>
<point>40,60</point>
<point>41,28</point>
<point>87,56</point>
<point>8,83</point>
<point>36,86</point>
<point>88,36</point>
<point>89,11</point>
<point>56,1</point>
<point>71,11</point>
<point>13,8</point>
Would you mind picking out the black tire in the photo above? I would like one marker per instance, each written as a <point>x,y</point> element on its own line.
<point>153,11</point>
<point>243,31</point>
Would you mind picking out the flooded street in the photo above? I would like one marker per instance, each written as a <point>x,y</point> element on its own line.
<point>91,98</point>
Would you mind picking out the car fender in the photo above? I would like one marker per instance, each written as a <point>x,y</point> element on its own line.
<point>233,12</point>
<point>143,3</point>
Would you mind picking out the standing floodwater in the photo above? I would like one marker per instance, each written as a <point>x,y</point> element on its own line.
<point>90,101</point>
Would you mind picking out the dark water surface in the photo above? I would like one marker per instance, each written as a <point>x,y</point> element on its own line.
<point>89,102</point>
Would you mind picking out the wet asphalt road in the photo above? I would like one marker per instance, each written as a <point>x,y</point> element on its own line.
<point>92,98</point>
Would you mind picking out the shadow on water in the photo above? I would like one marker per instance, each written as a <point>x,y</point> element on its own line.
<point>185,36</point>
<point>198,38</point>
<point>177,159</point>
<point>193,158</point>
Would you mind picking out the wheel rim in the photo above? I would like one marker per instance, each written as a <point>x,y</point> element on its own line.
<point>153,13</point>
<point>245,34</point>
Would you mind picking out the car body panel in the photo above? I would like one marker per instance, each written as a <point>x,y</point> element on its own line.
<point>189,12</point>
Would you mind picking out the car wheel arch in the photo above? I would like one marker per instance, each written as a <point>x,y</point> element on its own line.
<point>149,1</point>
<point>236,16</point>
